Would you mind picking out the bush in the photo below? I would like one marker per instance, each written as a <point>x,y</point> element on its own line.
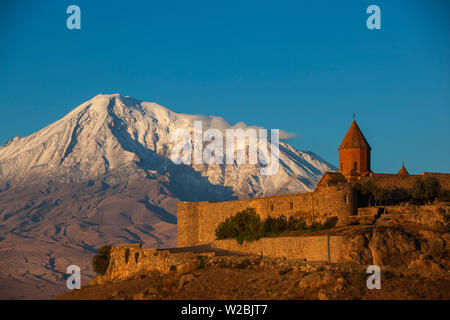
<point>444,195</point>
<point>382,196</point>
<point>244,225</point>
<point>100,262</point>
<point>247,226</point>
<point>365,193</point>
<point>269,225</point>
<point>127,255</point>
<point>280,224</point>
<point>432,188</point>
<point>316,226</point>
<point>330,223</point>
<point>425,190</point>
<point>201,262</point>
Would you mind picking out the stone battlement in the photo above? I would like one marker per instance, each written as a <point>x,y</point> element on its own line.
<point>197,221</point>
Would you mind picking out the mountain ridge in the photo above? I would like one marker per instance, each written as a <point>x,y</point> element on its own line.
<point>111,131</point>
<point>102,174</point>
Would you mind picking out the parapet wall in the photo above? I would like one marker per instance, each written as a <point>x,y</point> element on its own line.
<point>198,221</point>
<point>145,260</point>
<point>314,248</point>
<point>392,181</point>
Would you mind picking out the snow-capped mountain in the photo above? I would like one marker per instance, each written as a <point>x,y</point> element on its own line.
<point>118,138</point>
<point>103,174</point>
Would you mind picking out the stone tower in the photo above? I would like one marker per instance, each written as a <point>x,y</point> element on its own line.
<point>354,153</point>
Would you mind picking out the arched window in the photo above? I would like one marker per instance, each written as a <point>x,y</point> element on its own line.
<point>355,165</point>
<point>342,166</point>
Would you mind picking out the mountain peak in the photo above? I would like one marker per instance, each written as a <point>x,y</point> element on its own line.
<point>115,134</point>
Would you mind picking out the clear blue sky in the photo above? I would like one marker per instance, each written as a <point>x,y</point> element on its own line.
<point>301,66</point>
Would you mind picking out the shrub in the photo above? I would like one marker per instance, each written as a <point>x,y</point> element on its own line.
<point>247,226</point>
<point>316,226</point>
<point>300,224</point>
<point>330,223</point>
<point>127,255</point>
<point>432,188</point>
<point>444,195</point>
<point>244,225</point>
<point>368,189</point>
<point>365,192</point>
<point>399,195</point>
<point>201,262</point>
<point>269,225</point>
<point>224,265</point>
<point>425,190</point>
<point>382,196</point>
<point>280,224</point>
<point>418,191</point>
<point>100,262</point>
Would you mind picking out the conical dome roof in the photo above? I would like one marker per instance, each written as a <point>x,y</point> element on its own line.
<point>403,171</point>
<point>354,139</point>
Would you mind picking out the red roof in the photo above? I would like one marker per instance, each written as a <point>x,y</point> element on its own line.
<point>354,139</point>
<point>403,171</point>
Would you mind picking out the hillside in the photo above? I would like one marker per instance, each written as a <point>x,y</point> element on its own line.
<point>413,258</point>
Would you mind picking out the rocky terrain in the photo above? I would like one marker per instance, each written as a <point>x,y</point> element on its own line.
<point>414,260</point>
<point>103,175</point>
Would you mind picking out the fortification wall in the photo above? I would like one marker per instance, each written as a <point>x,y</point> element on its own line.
<point>314,248</point>
<point>282,249</point>
<point>145,260</point>
<point>197,222</point>
<point>392,181</point>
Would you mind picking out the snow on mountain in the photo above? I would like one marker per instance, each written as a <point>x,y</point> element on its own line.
<point>119,138</point>
<point>103,174</point>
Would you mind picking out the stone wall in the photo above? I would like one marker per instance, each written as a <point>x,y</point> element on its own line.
<point>314,248</point>
<point>432,216</point>
<point>392,181</point>
<point>198,221</point>
<point>150,259</point>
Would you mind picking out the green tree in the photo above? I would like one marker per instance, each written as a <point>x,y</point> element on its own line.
<point>100,262</point>
<point>381,196</point>
<point>418,191</point>
<point>368,189</point>
<point>244,225</point>
<point>280,224</point>
<point>269,225</point>
<point>432,189</point>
